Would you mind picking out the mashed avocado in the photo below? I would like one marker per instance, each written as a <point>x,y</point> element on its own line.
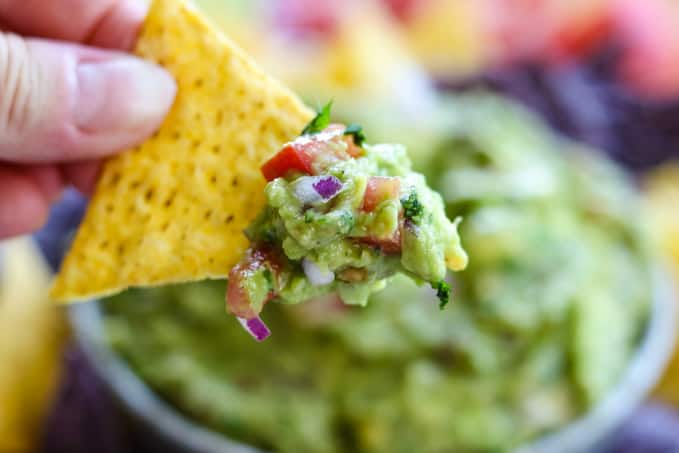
<point>341,217</point>
<point>557,258</point>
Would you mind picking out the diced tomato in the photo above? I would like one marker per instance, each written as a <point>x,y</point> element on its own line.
<point>308,18</point>
<point>549,31</point>
<point>292,157</point>
<point>650,41</point>
<point>237,299</point>
<point>574,40</point>
<point>352,150</point>
<point>379,189</point>
<point>310,154</point>
<point>388,245</point>
<point>404,10</point>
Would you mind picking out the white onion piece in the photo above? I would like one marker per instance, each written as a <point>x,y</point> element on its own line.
<point>305,192</point>
<point>315,275</point>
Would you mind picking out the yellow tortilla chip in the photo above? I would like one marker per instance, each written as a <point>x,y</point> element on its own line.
<point>174,208</point>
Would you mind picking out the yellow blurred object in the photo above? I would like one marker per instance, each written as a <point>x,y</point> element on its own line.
<point>32,336</point>
<point>241,20</point>
<point>448,37</point>
<point>662,187</point>
<point>366,66</point>
<point>366,61</point>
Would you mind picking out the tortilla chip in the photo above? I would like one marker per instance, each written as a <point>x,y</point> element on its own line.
<point>174,209</point>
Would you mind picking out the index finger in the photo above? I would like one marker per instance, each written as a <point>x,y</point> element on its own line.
<point>110,24</point>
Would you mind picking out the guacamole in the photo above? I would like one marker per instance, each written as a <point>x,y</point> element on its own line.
<point>558,257</point>
<point>341,217</point>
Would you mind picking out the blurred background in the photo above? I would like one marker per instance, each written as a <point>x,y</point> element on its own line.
<point>551,126</point>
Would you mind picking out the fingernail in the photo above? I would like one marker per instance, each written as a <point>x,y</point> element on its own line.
<point>124,95</point>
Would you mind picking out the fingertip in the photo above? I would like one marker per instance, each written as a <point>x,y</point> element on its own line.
<point>80,103</point>
<point>23,206</point>
<point>123,100</point>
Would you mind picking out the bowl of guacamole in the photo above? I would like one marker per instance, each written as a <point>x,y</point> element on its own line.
<point>555,332</point>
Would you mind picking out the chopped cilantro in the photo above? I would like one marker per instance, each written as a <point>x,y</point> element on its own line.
<point>320,121</point>
<point>357,132</point>
<point>268,276</point>
<point>412,208</point>
<point>347,222</point>
<point>262,234</point>
<point>269,235</point>
<point>442,292</point>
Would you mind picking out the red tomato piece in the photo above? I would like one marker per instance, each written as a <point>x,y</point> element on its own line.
<point>291,157</point>
<point>390,245</point>
<point>405,10</point>
<point>352,150</point>
<point>579,40</point>
<point>237,299</point>
<point>308,18</point>
<point>379,189</point>
<point>650,41</point>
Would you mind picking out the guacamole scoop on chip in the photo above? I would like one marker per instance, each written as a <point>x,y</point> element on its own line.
<point>337,215</point>
<point>341,216</point>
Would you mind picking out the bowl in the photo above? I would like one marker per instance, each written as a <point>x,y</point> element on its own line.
<point>165,429</point>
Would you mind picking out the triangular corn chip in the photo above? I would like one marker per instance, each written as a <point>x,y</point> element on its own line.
<point>174,209</point>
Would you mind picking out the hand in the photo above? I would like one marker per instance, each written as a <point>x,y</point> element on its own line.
<point>65,105</point>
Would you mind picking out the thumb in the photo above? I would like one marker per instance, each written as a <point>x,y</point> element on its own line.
<point>63,102</point>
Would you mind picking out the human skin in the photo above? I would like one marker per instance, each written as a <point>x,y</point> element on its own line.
<point>69,96</point>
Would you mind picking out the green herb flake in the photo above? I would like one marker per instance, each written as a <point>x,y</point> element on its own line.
<point>347,222</point>
<point>356,131</point>
<point>268,276</point>
<point>412,208</point>
<point>320,121</point>
<point>442,292</point>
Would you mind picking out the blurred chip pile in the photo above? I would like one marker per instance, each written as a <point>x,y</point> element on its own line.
<point>32,335</point>
<point>662,187</point>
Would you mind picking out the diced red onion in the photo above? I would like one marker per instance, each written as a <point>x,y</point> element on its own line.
<point>255,327</point>
<point>327,186</point>
<point>315,275</point>
<point>312,189</point>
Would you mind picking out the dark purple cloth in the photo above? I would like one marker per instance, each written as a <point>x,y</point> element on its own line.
<point>586,101</point>
<point>653,429</point>
<point>83,418</point>
<point>55,236</point>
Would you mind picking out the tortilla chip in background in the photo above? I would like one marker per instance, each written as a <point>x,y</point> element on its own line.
<point>174,208</point>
